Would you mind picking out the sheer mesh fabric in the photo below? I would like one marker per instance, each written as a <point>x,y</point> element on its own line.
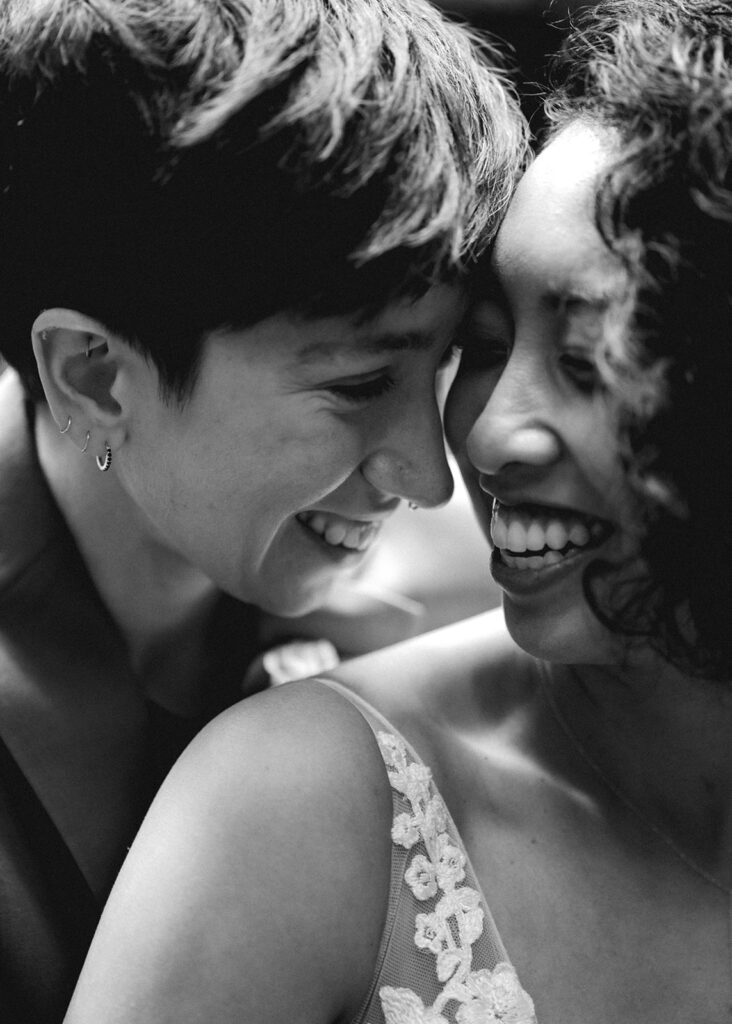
<point>441,958</point>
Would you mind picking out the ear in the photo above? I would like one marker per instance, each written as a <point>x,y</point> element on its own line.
<point>79,361</point>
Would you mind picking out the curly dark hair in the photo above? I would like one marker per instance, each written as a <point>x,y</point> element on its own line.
<point>658,74</point>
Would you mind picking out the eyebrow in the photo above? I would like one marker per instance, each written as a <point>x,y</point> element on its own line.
<point>382,341</point>
<point>591,297</point>
<point>559,298</point>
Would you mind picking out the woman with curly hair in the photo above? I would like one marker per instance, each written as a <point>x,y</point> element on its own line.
<point>545,797</point>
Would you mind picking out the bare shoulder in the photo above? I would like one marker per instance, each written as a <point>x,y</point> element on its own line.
<point>257,888</point>
<point>288,728</point>
<point>448,671</point>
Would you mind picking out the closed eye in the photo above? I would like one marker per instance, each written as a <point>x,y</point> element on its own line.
<point>581,368</point>
<point>363,389</point>
<point>482,352</point>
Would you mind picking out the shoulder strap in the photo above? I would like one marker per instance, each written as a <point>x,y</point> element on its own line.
<point>442,957</point>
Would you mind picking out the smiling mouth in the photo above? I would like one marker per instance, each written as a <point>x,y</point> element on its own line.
<point>536,537</point>
<point>339,532</point>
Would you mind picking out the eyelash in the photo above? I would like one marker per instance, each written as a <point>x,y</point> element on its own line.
<point>484,353</point>
<point>582,369</point>
<point>375,387</point>
<point>363,390</point>
<point>490,355</point>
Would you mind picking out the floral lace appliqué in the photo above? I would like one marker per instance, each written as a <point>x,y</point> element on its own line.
<point>449,930</point>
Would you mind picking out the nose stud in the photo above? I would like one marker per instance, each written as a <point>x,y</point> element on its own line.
<point>413,506</point>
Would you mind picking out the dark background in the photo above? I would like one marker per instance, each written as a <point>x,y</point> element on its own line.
<point>534,30</point>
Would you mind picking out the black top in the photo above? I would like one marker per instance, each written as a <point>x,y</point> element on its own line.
<point>70,706</point>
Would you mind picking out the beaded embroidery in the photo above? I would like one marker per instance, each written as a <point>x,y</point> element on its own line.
<point>456,921</point>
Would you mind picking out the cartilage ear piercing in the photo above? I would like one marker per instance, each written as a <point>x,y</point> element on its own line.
<point>105,461</point>
<point>67,427</point>
<point>86,443</point>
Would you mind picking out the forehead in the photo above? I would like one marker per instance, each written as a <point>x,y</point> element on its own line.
<point>549,235</point>
<point>291,344</point>
<point>403,325</point>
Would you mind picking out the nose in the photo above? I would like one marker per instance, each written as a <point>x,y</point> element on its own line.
<point>409,460</point>
<point>515,428</point>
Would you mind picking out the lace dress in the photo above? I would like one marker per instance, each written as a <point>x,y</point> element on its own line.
<point>441,960</point>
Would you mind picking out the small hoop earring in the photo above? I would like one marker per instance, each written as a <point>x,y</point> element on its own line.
<point>86,443</point>
<point>88,347</point>
<point>67,427</point>
<point>103,463</point>
<point>413,506</point>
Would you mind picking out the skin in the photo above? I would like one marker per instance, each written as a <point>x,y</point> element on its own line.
<point>528,429</point>
<point>525,411</point>
<point>602,918</point>
<point>338,415</point>
<point>287,417</point>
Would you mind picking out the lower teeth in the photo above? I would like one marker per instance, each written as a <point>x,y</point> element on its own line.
<point>535,561</point>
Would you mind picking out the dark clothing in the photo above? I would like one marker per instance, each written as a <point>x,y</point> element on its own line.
<point>81,749</point>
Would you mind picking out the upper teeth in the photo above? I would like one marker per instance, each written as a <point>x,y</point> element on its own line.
<point>338,531</point>
<point>520,530</point>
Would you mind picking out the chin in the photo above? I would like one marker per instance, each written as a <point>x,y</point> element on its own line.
<point>294,601</point>
<point>570,637</point>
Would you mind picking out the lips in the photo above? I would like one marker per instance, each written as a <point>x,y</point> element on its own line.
<point>536,537</point>
<point>339,532</point>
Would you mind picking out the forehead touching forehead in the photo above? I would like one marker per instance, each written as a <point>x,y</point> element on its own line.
<point>549,238</point>
<point>431,320</point>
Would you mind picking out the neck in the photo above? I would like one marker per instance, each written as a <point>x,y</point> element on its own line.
<point>153,595</point>
<point>661,741</point>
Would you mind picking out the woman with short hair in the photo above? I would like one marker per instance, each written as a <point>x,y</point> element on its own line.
<point>236,233</point>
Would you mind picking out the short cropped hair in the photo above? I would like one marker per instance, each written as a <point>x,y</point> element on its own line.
<point>659,74</point>
<point>170,167</point>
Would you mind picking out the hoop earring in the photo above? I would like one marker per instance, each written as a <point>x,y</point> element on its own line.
<point>104,463</point>
<point>88,347</point>
<point>67,427</point>
<point>86,443</point>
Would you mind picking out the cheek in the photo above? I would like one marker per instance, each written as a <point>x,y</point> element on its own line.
<point>466,401</point>
<point>457,416</point>
<point>297,465</point>
<point>320,459</point>
<point>596,450</point>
